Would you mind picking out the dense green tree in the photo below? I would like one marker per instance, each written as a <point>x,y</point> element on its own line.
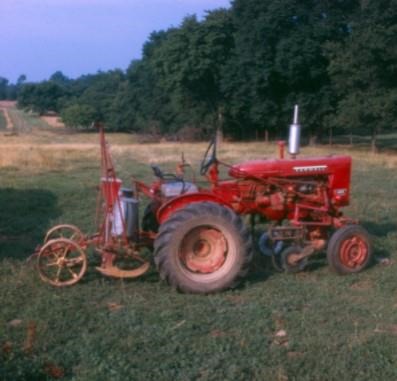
<point>78,115</point>
<point>59,78</point>
<point>142,104</point>
<point>92,94</point>
<point>279,60</point>
<point>244,68</point>
<point>41,97</point>
<point>3,87</point>
<point>138,105</point>
<point>364,71</point>
<point>9,90</point>
<point>26,96</point>
<point>101,92</point>
<point>188,65</point>
<point>21,80</point>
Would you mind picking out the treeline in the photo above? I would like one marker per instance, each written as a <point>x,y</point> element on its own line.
<point>242,69</point>
<point>9,91</point>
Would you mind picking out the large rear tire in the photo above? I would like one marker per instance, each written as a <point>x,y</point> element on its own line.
<point>349,250</point>
<point>203,248</point>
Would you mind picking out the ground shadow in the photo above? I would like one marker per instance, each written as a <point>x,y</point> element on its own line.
<point>379,229</point>
<point>24,217</point>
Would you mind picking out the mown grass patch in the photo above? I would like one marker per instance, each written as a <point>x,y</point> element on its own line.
<point>27,122</point>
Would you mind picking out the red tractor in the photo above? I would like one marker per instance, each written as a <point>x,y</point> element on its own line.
<point>200,241</point>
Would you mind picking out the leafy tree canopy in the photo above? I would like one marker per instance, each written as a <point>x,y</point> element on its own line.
<point>242,69</point>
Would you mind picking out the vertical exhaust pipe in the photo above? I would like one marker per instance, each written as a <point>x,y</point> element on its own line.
<point>294,134</point>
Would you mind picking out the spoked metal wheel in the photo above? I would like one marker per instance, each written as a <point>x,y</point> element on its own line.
<point>61,262</point>
<point>64,231</point>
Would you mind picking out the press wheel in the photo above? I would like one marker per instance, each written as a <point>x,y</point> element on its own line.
<point>64,231</point>
<point>61,262</point>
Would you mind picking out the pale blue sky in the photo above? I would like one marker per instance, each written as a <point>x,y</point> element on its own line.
<point>39,37</point>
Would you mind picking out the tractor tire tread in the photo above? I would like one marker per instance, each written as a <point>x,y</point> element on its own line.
<point>164,247</point>
<point>334,245</point>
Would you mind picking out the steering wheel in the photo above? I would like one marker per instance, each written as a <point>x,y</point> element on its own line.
<point>209,157</point>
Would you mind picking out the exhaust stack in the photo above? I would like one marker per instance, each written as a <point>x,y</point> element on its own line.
<point>294,134</point>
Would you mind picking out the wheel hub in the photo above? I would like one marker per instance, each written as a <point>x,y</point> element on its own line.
<point>353,252</point>
<point>203,250</point>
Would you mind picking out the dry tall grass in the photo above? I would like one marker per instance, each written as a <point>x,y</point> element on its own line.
<point>46,156</point>
<point>43,157</point>
<point>40,147</point>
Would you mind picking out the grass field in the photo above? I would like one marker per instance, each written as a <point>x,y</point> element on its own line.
<point>335,328</point>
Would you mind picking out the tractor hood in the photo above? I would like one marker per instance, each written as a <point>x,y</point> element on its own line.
<point>303,167</point>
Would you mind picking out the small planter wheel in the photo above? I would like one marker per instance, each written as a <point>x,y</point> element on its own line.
<point>349,249</point>
<point>64,231</point>
<point>61,262</point>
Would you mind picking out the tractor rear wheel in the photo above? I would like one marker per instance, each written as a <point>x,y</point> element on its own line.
<point>203,248</point>
<point>349,249</point>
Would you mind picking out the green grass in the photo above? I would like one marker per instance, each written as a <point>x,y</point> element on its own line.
<point>338,328</point>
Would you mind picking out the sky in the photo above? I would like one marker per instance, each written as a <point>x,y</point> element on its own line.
<point>39,37</point>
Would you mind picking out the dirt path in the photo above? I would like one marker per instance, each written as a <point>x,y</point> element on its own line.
<point>4,106</point>
<point>9,125</point>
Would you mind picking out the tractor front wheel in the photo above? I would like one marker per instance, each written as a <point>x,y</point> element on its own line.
<point>349,249</point>
<point>203,248</point>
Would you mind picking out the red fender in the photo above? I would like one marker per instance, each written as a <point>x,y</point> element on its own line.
<point>181,201</point>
